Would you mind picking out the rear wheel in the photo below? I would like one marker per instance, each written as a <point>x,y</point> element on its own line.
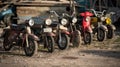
<point>76,39</point>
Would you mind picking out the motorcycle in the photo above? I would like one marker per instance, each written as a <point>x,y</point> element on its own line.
<point>108,22</point>
<point>60,30</point>
<point>75,35</point>
<point>43,30</point>
<point>7,15</point>
<point>98,26</point>
<point>20,35</point>
<point>86,28</point>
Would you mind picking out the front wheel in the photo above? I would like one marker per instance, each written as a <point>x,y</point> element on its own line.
<point>87,37</point>
<point>76,39</point>
<point>31,48</point>
<point>50,43</point>
<point>63,41</point>
<point>101,34</point>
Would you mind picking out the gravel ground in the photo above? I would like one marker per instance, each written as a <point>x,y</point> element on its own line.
<point>98,54</point>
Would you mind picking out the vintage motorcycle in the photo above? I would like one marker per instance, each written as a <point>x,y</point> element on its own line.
<point>85,27</point>
<point>75,35</point>
<point>108,22</point>
<point>20,35</point>
<point>98,26</point>
<point>45,33</point>
<point>60,30</point>
<point>7,15</point>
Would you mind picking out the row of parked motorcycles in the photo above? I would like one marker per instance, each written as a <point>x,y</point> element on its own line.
<point>59,30</point>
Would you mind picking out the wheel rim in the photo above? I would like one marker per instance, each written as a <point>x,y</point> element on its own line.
<point>87,37</point>
<point>63,41</point>
<point>31,48</point>
<point>50,44</point>
<point>101,35</point>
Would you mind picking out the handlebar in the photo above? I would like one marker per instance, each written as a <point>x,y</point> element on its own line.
<point>54,12</point>
<point>65,14</point>
<point>98,13</point>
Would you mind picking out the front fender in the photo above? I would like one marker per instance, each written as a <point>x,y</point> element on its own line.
<point>34,37</point>
<point>50,34</point>
<point>103,27</point>
<point>65,31</point>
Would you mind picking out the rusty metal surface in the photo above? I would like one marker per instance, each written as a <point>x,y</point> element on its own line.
<point>39,3</point>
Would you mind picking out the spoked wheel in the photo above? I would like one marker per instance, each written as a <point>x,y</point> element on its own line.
<point>101,35</point>
<point>31,48</point>
<point>50,43</point>
<point>87,38</point>
<point>76,41</point>
<point>63,41</point>
<point>6,43</point>
<point>110,33</point>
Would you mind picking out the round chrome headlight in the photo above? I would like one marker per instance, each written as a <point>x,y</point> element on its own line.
<point>102,18</point>
<point>48,21</point>
<point>87,19</point>
<point>74,20</point>
<point>31,22</point>
<point>64,21</point>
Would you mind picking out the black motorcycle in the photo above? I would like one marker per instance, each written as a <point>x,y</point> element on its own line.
<point>45,33</point>
<point>98,26</point>
<point>61,38</point>
<point>75,35</point>
<point>20,35</point>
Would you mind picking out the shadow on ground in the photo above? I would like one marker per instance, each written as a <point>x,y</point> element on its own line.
<point>104,53</point>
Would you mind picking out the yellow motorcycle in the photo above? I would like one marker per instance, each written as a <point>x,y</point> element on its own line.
<point>108,22</point>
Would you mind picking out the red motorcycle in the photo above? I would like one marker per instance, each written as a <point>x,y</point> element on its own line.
<point>86,29</point>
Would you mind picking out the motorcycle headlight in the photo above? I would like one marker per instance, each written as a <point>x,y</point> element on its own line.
<point>102,18</point>
<point>48,21</point>
<point>64,21</point>
<point>74,20</point>
<point>31,22</point>
<point>87,19</point>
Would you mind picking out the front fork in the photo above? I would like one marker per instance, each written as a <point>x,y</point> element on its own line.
<point>49,34</point>
<point>29,34</point>
<point>28,31</point>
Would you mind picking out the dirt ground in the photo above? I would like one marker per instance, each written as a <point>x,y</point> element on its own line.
<point>98,54</point>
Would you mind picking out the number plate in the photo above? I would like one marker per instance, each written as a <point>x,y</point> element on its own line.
<point>47,30</point>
